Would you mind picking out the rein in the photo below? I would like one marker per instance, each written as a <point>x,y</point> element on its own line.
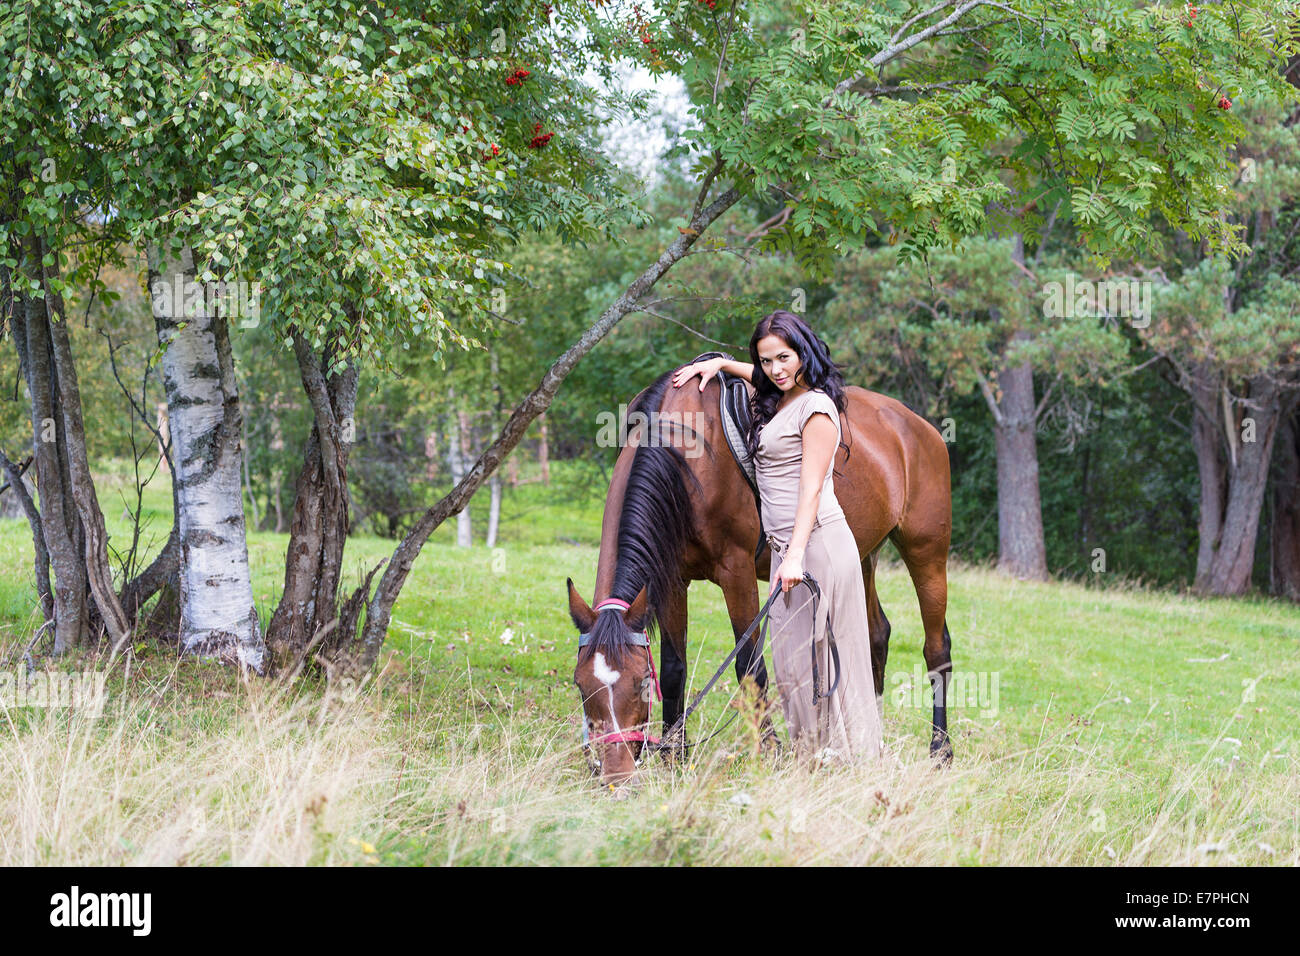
<point>641,638</point>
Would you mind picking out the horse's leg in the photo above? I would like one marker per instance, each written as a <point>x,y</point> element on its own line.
<point>737,577</point>
<point>879,625</point>
<point>927,562</point>
<point>672,667</point>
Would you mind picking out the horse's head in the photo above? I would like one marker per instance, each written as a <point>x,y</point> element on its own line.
<point>616,677</point>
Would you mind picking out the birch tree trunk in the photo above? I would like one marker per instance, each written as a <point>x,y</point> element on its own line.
<point>218,617</point>
<point>456,462</point>
<point>544,452</point>
<point>494,510</point>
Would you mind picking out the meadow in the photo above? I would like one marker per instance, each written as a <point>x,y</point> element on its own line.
<point>1105,723</point>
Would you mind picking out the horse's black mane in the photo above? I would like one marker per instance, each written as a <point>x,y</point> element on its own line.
<point>652,532</point>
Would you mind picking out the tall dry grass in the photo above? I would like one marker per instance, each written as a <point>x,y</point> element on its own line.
<point>209,770</point>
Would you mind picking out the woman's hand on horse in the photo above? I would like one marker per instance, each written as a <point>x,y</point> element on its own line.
<point>705,370</point>
<point>788,575</point>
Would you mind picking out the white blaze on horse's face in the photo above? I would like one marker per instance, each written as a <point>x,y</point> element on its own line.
<point>609,677</point>
<point>604,673</point>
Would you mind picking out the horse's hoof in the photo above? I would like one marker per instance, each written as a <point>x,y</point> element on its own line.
<point>941,752</point>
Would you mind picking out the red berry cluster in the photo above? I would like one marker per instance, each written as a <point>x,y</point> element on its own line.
<point>546,9</point>
<point>541,139</point>
<point>1225,103</point>
<point>1191,15</point>
<point>709,3</point>
<point>517,77</point>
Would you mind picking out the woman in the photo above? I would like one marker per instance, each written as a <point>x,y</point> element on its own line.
<point>795,407</point>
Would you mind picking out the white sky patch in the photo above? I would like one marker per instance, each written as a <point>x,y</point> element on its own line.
<point>637,145</point>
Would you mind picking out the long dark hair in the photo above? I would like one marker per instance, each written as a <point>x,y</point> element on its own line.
<point>817,370</point>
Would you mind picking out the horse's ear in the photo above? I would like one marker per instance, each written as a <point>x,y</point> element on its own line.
<point>583,616</point>
<point>638,612</point>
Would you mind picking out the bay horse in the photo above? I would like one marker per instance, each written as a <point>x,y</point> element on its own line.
<point>680,509</point>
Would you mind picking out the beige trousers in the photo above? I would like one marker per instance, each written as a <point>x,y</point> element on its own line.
<point>848,722</point>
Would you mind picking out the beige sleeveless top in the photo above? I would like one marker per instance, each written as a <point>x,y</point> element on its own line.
<point>780,460</point>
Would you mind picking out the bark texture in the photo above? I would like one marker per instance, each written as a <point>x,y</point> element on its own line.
<point>218,617</point>
<point>60,525</point>
<point>321,510</point>
<point>1022,548</point>
<point>1233,441</point>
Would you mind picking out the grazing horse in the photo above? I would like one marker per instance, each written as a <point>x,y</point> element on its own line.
<point>679,509</point>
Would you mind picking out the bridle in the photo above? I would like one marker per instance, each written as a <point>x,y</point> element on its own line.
<point>642,639</point>
<point>639,639</point>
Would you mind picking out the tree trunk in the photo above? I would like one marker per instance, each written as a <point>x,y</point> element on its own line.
<point>218,617</point>
<point>494,510</point>
<point>1232,557</point>
<point>544,452</point>
<point>319,529</point>
<point>60,525</point>
<point>456,463</point>
<point>1211,468</point>
<point>1022,550</point>
<point>1284,544</point>
<point>1022,547</point>
<point>99,574</point>
<point>379,608</point>
<point>161,573</point>
<point>1232,460</point>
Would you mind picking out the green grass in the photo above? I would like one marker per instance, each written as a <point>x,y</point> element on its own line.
<point>1119,733</point>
